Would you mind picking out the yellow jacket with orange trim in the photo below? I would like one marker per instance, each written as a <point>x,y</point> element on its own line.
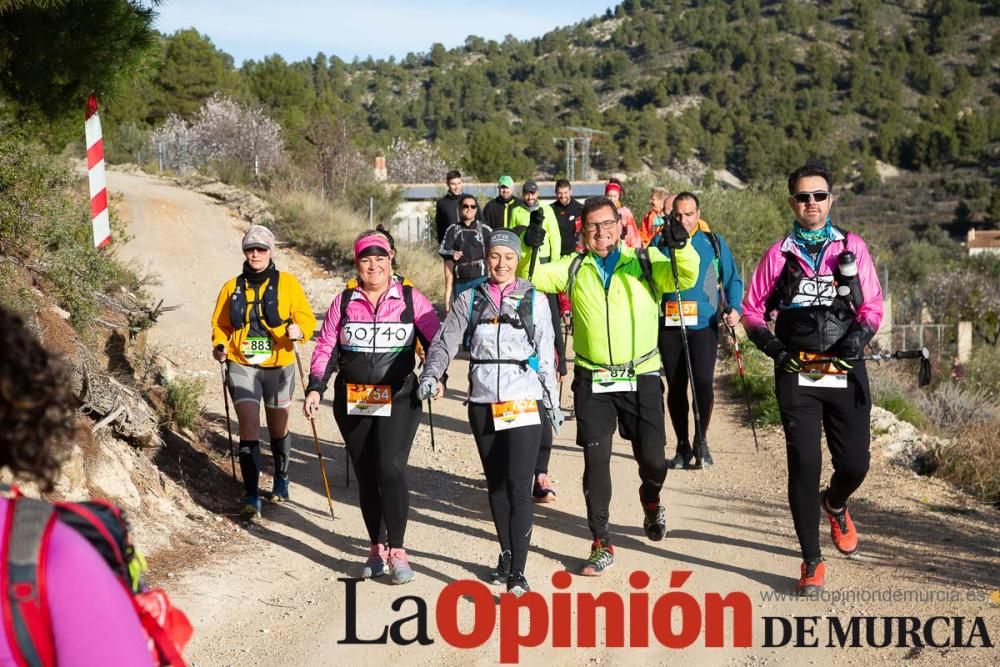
<point>292,307</point>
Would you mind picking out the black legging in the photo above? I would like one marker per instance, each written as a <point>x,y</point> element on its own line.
<point>508,459</point>
<point>639,415</point>
<point>379,448</point>
<point>557,328</point>
<point>544,451</point>
<point>704,346</point>
<point>845,416</point>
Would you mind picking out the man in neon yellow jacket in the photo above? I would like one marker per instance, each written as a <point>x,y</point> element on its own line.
<point>520,218</point>
<point>616,291</point>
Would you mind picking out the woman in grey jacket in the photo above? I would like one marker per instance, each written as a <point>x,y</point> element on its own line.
<point>507,328</point>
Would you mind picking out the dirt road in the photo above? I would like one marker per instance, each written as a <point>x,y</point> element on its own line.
<point>280,600</point>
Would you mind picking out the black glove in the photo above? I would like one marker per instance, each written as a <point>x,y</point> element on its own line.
<point>852,345</point>
<point>787,361</point>
<point>534,237</point>
<point>537,216</point>
<point>673,235</point>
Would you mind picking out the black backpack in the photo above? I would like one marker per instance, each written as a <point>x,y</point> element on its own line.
<point>472,244</point>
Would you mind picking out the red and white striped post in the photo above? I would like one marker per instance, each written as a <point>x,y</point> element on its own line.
<point>95,172</point>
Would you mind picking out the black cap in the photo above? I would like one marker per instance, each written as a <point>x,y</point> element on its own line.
<point>529,186</point>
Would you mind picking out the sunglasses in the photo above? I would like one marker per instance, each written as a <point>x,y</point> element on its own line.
<point>472,206</point>
<point>803,197</point>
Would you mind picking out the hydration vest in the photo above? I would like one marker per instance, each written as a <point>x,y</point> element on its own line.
<point>812,315</point>
<point>377,352</point>
<point>267,304</point>
<point>524,320</point>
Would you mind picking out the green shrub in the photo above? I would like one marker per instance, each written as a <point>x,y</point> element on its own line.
<point>890,392</point>
<point>759,384</point>
<point>183,405</point>
<point>983,369</point>
<point>45,224</point>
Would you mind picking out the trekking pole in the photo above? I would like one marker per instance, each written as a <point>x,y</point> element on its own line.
<point>923,354</point>
<point>312,422</point>
<point>430,422</point>
<point>743,379</point>
<point>698,435</point>
<point>229,420</point>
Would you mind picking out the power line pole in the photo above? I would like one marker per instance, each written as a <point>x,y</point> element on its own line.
<point>570,144</point>
<point>585,136</point>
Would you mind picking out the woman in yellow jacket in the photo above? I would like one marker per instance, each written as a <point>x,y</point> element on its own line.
<point>258,317</point>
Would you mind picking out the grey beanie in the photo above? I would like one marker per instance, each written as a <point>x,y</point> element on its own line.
<point>506,238</point>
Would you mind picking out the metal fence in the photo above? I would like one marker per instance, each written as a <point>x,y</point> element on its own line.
<point>414,229</point>
<point>940,339</point>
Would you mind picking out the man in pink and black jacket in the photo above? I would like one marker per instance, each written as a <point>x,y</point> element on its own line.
<point>820,287</point>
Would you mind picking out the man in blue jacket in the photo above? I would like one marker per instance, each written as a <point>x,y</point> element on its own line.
<point>702,306</point>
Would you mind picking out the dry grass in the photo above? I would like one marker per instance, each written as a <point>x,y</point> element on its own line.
<point>973,461</point>
<point>327,231</point>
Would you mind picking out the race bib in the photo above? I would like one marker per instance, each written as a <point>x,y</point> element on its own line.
<point>823,381</point>
<point>369,400</point>
<point>822,375</point>
<point>512,414</point>
<point>376,336</point>
<point>606,382</point>
<point>689,310</point>
<point>257,350</point>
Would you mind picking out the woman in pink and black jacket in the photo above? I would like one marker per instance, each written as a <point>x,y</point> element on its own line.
<point>820,286</point>
<point>370,333</point>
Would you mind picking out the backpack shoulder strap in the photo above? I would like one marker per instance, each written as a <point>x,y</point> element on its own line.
<point>574,268</point>
<point>477,305</point>
<point>28,625</point>
<point>647,268</point>
<point>345,300</point>
<point>717,249</point>
<point>406,317</point>
<point>526,313</point>
<point>790,273</point>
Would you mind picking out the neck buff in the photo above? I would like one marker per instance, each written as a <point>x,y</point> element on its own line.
<point>256,279</point>
<point>812,235</point>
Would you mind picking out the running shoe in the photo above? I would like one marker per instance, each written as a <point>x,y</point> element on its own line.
<point>501,572</point>
<point>655,521</point>
<point>399,567</point>
<point>842,530</point>
<point>682,457</point>
<point>602,556</point>
<point>517,584</point>
<point>251,507</point>
<point>706,456</point>
<point>375,566</point>
<point>543,491</point>
<point>811,581</point>
<point>279,494</point>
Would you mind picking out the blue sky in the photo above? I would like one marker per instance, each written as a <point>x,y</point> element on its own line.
<point>297,29</point>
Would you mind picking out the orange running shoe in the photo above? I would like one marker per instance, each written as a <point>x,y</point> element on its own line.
<point>842,530</point>
<point>811,581</point>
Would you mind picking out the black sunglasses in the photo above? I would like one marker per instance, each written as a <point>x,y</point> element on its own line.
<point>472,206</point>
<point>803,197</point>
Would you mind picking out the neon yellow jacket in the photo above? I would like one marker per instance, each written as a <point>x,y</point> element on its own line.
<point>292,304</point>
<point>620,324</point>
<point>552,248</point>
